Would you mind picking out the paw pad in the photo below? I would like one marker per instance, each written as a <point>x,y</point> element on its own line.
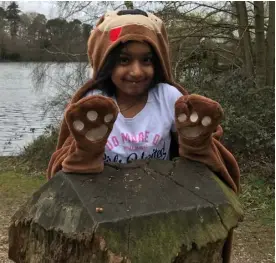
<point>206,121</point>
<point>90,120</point>
<point>96,134</point>
<point>182,117</point>
<point>194,117</point>
<point>193,131</point>
<point>92,115</point>
<point>78,125</point>
<point>108,118</point>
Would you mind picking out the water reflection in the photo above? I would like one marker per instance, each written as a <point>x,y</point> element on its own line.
<point>22,116</point>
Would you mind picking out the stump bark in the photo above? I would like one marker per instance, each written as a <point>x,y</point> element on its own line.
<point>142,212</point>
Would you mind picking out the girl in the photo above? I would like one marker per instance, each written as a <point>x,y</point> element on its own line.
<point>132,108</point>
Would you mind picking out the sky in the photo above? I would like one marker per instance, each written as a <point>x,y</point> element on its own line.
<point>43,7</point>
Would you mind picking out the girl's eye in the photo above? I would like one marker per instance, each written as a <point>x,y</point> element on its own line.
<point>124,60</point>
<point>147,60</point>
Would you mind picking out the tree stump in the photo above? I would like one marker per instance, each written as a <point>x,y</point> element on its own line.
<point>146,211</point>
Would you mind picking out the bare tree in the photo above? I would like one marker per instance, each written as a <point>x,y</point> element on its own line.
<point>245,38</point>
<point>260,44</point>
<point>270,39</point>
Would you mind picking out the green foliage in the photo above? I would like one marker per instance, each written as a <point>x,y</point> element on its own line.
<point>249,112</point>
<point>37,154</point>
<point>257,197</point>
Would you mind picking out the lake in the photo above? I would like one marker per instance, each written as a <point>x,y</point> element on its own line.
<point>22,116</point>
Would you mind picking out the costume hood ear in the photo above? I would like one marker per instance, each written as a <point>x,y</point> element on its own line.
<point>100,21</point>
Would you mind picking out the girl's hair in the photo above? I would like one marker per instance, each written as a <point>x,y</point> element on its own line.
<point>103,78</point>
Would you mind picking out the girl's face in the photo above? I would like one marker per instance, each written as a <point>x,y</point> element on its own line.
<point>134,71</point>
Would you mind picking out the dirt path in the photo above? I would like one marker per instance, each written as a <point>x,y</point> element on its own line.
<point>5,215</point>
<point>254,242</point>
<point>254,239</point>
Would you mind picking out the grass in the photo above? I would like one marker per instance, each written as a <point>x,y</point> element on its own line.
<point>16,186</point>
<point>16,181</point>
<point>258,198</point>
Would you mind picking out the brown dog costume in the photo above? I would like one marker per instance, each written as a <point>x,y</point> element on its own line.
<point>89,120</point>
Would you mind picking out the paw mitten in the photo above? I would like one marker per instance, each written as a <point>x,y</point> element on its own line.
<point>90,122</point>
<point>197,119</point>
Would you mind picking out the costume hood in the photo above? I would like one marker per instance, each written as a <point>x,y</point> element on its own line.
<point>117,27</point>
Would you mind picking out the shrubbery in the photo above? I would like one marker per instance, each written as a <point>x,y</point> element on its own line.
<point>249,113</point>
<point>37,154</point>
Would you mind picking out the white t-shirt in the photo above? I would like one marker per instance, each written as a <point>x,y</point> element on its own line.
<point>146,135</point>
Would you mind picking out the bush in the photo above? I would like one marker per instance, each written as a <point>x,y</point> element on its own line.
<point>37,154</point>
<point>249,113</point>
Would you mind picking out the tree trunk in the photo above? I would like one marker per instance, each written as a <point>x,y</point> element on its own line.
<point>245,39</point>
<point>270,39</point>
<point>260,44</point>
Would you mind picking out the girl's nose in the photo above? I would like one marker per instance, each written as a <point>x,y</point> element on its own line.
<point>136,70</point>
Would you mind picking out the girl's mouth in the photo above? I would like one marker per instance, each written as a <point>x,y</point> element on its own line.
<point>136,82</point>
